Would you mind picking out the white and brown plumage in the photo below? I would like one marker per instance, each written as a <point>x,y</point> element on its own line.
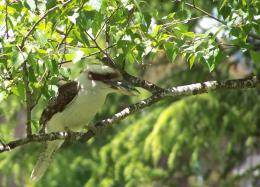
<point>76,104</point>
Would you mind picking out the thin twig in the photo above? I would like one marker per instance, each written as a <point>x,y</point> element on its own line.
<point>88,55</point>
<point>9,73</point>
<point>107,38</point>
<point>45,83</point>
<point>28,94</point>
<point>64,41</point>
<point>106,22</point>
<point>60,31</point>
<point>28,99</point>
<point>111,61</point>
<point>75,46</point>
<point>65,36</point>
<point>39,20</point>
<point>129,18</point>
<point>166,25</point>
<point>205,12</point>
<point>217,19</point>
<point>6,19</point>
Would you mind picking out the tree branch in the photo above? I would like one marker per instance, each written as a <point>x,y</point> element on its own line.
<point>186,90</point>
<point>135,80</point>
<point>111,61</point>
<point>205,12</point>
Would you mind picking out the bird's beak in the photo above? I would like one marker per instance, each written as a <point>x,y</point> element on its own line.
<point>123,87</point>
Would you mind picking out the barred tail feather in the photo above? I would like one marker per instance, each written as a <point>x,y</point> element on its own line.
<point>45,159</point>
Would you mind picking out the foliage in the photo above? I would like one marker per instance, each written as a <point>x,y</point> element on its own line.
<point>198,139</point>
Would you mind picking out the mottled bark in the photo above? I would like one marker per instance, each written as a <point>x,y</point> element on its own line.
<point>192,89</point>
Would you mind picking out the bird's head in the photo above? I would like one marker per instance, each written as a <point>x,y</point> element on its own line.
<point>105,78</point>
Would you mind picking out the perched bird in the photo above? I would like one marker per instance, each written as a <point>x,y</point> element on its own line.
<point>76,104</point>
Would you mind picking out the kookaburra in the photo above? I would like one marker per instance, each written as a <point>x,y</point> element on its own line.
<point>76,104</point>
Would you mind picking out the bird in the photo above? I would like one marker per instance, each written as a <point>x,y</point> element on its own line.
<point>75,105</point>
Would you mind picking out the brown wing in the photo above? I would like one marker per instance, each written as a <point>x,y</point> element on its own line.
<point>66,93</point>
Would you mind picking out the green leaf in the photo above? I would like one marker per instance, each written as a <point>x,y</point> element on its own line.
<point>244,2</point>
<point>157,29</point>
<point>225,11</point>
<point>235,31</point>
<point>69,57</point>
<point>32,77</point>
<point>147,18</point>
<point>210,62</point>
<point>255,55</point>
<point>220,56</point>
<point>54,66</point>
<point>170,51</point>
<point>51,3</point>
<point>189,34</point>
<point>35,125</point>
<point>15,90</point>
<point>223,3</point>
<point>183,14</point>
<point>95,4</point>
<point>191,60</point>
<point>41,38</point>
<point>85,20</point>
<point>96,25</point>
<point>30,4</point>
<point>19,90</point>
<point>17,58</point>
<point>80,36</point>
<point>130,57</point>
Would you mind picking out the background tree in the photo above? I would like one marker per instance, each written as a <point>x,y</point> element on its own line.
<point>206,140</point>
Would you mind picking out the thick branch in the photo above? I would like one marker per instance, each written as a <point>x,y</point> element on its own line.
<point>192,89</point>
<point>142,83</point>
<point>40,138</point>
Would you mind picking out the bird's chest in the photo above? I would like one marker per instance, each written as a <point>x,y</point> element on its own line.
<point>78,112</point>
